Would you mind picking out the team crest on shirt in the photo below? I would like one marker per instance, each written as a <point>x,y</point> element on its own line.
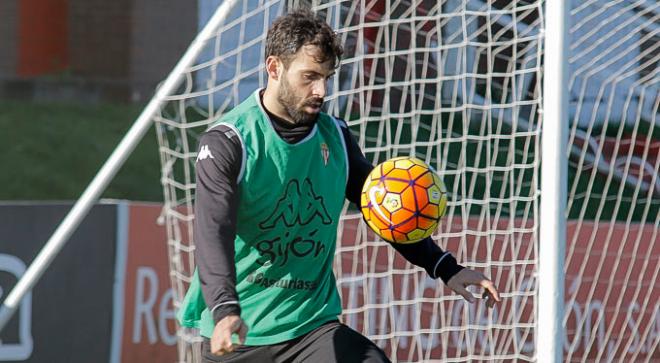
<point>325,152</point>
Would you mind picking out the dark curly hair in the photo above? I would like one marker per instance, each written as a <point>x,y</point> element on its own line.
<point>290,32</point>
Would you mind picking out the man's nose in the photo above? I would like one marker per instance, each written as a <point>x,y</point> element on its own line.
<point>319,88</point>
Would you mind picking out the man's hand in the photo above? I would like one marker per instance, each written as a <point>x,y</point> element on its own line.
<point>221,340</point>
<point>467,277</point>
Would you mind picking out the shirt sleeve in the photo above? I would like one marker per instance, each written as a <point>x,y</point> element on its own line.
<point>426,253</point>
<point>218,165</point>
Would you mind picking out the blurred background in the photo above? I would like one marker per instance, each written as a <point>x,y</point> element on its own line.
<point>74,75</point>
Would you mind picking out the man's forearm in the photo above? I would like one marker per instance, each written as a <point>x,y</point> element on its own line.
<point>429,256</point>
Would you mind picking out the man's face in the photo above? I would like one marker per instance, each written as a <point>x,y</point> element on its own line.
<point>303,85</point>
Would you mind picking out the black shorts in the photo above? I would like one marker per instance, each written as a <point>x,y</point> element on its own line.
<point>332,342</point>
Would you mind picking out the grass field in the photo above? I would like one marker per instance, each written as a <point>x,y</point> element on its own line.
<point>595,196</point>
<point>51,151</point>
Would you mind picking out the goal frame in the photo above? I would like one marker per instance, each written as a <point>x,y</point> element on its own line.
<point>552,231</point>
<point>554,178</point>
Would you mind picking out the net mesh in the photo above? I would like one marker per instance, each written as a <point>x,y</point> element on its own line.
<point>458,84</point>
<point>613,246</point>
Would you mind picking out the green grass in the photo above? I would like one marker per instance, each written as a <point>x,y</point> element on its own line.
<point>51,151</point>
<point>595,197</point>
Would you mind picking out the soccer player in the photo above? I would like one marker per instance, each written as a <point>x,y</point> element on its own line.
<point>272,176</point>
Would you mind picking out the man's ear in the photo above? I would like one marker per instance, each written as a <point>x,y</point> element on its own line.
<point>274,67</point>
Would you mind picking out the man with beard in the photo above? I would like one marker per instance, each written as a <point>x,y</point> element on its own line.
<point>272,176</point>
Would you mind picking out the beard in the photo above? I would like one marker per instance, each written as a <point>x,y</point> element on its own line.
<point>295,105</point>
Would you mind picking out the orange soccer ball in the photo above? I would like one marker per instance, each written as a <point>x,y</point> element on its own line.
<point>403,199</point>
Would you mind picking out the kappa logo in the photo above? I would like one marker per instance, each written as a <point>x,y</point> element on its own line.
<point>204,153</point>
<point>299,205</point>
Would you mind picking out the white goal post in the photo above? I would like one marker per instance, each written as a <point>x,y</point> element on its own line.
<point>552,230</point>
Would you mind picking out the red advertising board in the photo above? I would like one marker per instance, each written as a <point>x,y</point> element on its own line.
<point>149,331</point>
<point>613,309</point>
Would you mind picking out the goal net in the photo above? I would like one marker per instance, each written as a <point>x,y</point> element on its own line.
<point>457,83</point>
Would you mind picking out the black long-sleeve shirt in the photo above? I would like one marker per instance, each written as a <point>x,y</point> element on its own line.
<point>216,206</point>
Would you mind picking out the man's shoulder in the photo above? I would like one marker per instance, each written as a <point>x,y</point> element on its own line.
<point>246,110</point>
<point>332,120</point>
<point>219,134</point>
